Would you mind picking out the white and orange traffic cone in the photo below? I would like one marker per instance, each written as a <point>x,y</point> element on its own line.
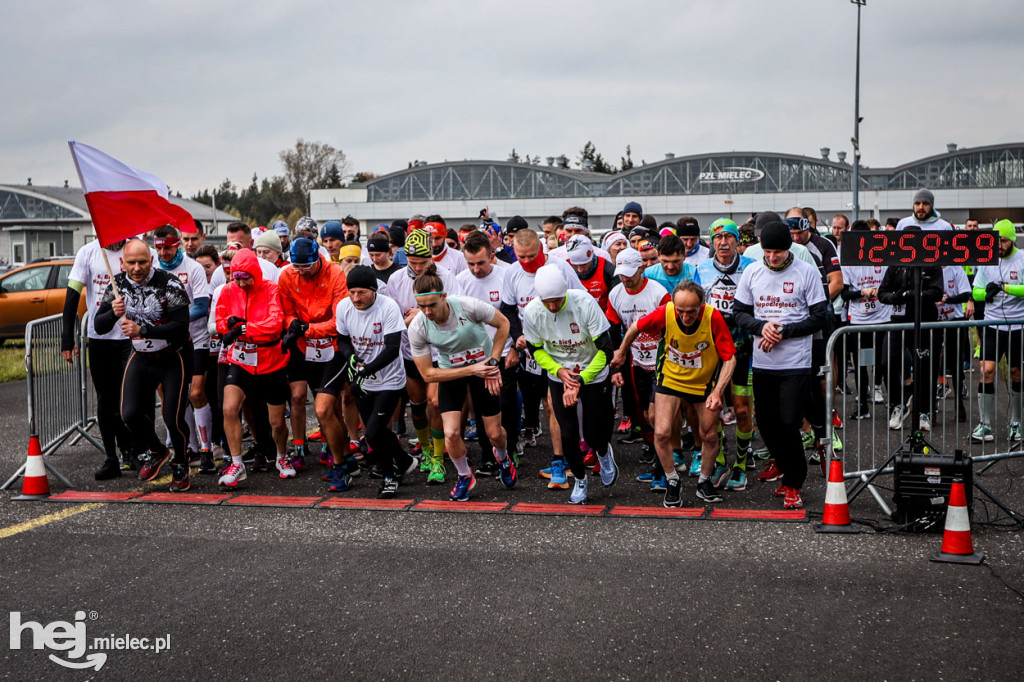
<point>836,516</point>
<point>34,485</point>
<point>957,544</point>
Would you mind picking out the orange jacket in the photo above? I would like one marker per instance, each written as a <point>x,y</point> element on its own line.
<point>260,307</point>
<point>313,301</point>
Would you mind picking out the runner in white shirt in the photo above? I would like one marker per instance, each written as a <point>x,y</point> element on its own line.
<point>518,292</point>
<point>484,280</point>
<point>781,301</point>
<point>370,331</point>
<point>467,361</point>
<point>108,353</point>
<point>860,292</point>
<point>198,415</point>
<point>688,231</point>
<point>445,256</point>
<point>956,304</point>
<point>567,333</point>
<point>426,422</point>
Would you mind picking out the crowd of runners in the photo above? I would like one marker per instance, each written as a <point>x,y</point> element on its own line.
<point>661,332</point>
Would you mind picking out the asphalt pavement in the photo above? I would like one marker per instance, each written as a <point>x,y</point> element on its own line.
<point>270,592</point>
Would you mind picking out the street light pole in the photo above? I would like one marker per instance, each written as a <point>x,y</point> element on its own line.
<point>856,121</point>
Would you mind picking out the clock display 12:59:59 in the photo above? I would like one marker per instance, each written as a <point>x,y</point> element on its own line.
<point>927,247</point>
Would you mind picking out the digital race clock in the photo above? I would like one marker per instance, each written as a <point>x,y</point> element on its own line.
<point>925,247</point>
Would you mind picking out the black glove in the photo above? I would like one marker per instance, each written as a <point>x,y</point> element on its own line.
<point>234,322</point>
<point>232,335</point>
<point>992,290</point>
<point>288,340</point>
<point>354,374</point>
<point>297,328</point>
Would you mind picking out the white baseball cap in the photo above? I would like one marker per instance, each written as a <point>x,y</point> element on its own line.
<point>628,262</point>
<point>580,250</point>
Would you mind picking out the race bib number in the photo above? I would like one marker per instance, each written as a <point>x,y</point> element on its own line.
<point>899,309</point>
<point>645,353</point>
<point>319,350</point>
<point>946,312</point>
<point>531,365</point>
<point>687,360</point>
<point>148,345</point>
<point>244,354</point>
<point>723,298</point>
<point>466,357</point>
<point>215,345</point>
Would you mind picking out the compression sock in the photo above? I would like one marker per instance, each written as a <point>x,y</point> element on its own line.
<point>500,454</point>
<point>721,446</point>
<point>462,466</point>
<point>193,441</point>
<point>1015,401</point>
<point>438,438</point>
<point>204,425</point>
<point>986,402</point>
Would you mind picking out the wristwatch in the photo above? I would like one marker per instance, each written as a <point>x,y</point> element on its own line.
<point>493,362</point>
<point>143,330</point>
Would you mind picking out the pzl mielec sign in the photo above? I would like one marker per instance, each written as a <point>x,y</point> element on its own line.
<point>733,174</point>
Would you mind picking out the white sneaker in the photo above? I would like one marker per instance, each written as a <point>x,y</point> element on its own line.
<point>896,420</point>
<point>879,398</point>
<point>926,422</point>
<point>579,490</point>
<point>233,475</point>
<point>284,465</point>
<point>609,472</point>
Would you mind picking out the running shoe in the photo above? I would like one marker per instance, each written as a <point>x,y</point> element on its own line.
<point>860,413</point>
<point>326,458</point>
<point>260,463</point>
<point>926,422</point>
<point>793,499</point>
<point>314,435</point>
<point>720,475</point>
<point>658,483</point>
<point>354,470</point>
<point>737,481</point>
<point>695,464</point>
<point>436,475</point>
<point>770,473</point>
<point>460,493</point>
<point>635,435</point>
<point>816,454</point>
<point>590,459</point>
<point>879,398</point>
<point>558,480</point>
<point>298,458</point>
<point>837,421</point>
<point>678,461</point>
<point>338,479</point>
<point>781,490</point>
<point>528,438</point>
<point>807,439</point>
<point>545,472</point>
<point>508,474</point>
<point>410,469</point>
<point>470,430</point>
<point>1015,432</point>
<point>707,492</point>
<point>762,453</point>
<point>579,492</point>
<point>354,449</point>
<point>181,478</point>
<point>127,463</point>
<point>285,467</point>
<point>897,417</point>
<point>646,478</point>
<point>192,457</point>
<point>672,493</point>
<point>233,475</point>
<point>982,433</point>
<point>647,454</point>
<point>624,426</point>
<point>487,469</point>
<point>609,472</point>
<point>150,464</point>
<point>389,488</point>
<point>837,442</point>
<point>206,465</point>
<point>728,416</point>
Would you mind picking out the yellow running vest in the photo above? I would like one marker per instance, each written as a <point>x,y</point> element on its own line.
<point>688,363</point>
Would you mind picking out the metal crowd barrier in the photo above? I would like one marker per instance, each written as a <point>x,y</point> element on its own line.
<point>876,361</point>
<point>59,392</point>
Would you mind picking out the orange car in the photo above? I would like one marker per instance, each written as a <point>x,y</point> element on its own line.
<point>33,291</point>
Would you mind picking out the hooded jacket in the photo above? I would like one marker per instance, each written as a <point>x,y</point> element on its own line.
<point>260,307</point>
<point>313,301</point>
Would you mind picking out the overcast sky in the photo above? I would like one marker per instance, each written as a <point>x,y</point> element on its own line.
<point>215,89</point>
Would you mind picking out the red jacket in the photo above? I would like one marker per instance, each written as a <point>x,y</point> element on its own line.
<point>313,301</point>
<point>260,307</point>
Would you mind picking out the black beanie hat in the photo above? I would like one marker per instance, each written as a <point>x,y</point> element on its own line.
<point>362,277</point>
<point>763,219</point>
<point>775,236</point>
<point>397,233</point>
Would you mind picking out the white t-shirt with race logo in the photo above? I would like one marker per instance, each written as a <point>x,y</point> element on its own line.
<point>568,336</point>
<point>699,256</point>
<point>863,311</point>
<point>954,283</point>
<point>91,270</point>
<point>452,261</point>
<point>1004,306</point>
<point>785,297</point>
<point>630,307</point>
<point>399,289</point>
<point>192,275</point>
<point>487,289</point>
<point>367,329</point>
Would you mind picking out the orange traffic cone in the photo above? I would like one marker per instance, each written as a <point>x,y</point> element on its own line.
<point>34,486</point>
<point>836,516</point>
<point>957,545</point>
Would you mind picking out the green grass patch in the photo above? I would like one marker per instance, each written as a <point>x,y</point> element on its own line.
<point>12,360</point>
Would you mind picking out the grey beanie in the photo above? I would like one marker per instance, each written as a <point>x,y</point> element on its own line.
<point>763,218</point>
<point>925,196</point>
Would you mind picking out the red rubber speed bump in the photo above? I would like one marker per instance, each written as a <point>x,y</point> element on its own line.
<point>452,506</point>
<point>659,512</point>
<point>273,501</point>
<point>560,509</point>
<point>95,496</point>
<point>759,514</point>
<point>363,503</point>
<point>182,498</point>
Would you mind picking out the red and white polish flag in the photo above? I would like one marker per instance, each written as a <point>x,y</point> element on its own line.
<point>124,201</point>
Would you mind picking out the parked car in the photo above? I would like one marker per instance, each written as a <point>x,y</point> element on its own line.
<point>33,291</point>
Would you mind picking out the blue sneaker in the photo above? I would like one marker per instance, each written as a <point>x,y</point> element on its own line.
<point>695,464</point>
<point>558,480</point>
<point>470,430</point>
<point>659,485</point>
<point>579,492</point>
<point>646,478</point>
<point>508,473</point>
<point>720,475</point>
<point>679,460</point>
<point>609,472</point>
<point>460,493</point>
<point>737,481</point>
<point>338,480</point>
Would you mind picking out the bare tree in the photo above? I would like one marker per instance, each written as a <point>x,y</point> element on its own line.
<point>309,166</point>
